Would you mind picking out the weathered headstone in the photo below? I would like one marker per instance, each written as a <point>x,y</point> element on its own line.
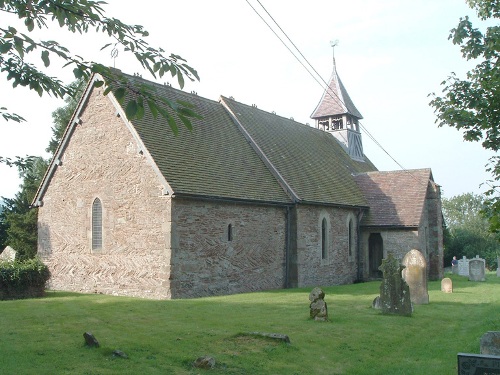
<point>119,354</point>
<point>498,267</point>
<point>376,303</point>
<point>90,340</point>
<point>463,266</point>
<point>446,285</point>
<point>415,275</point>
<point>318,309</point>
<point>454,269</point>
<point>280,337</point>
<point>477,269</point>
<point>8,254</point>
<point>478,364</point>
<point>490,343</point>
<point>394,291</point>
<point>205,362</point>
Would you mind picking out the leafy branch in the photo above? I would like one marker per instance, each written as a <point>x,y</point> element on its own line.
<point>80,16</point>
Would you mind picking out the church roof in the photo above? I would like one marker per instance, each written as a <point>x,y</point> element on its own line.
<point>239,152</point>
<point>311,161</point>
<point>335,100</point>
<point>295,163</point>
<point>211,160</point>
<point>396,198</point>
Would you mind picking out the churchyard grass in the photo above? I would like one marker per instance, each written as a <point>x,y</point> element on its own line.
<point>45,336</point>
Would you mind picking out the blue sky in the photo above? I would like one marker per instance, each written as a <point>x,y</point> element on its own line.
<point>391,55</point>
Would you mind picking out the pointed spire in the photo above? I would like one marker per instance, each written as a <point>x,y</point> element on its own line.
<point>335,99</point>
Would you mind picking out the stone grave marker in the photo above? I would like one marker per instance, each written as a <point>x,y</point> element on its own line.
<point>446,285</point>
<point>478,364</point>
<point>8,254</point>
<point>463,266</point>
<point>394,291</point>
<point>477,269</point>
<point>490,343</point>
<point>498,267</point>
<point>318,309</point>
<point>415,275</point>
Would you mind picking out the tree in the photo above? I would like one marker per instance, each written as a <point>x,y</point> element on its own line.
<point>83,16</point>
<point>472,105</point>
<point>17,219</point>
<point>467,230</point>
<point>62,115</point>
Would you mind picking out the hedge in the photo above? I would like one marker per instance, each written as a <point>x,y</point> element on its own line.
<point>23,279</point>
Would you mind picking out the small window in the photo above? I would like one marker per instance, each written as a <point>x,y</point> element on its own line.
<point>324,239</point>
<point>96,224</point>
<point>230,232</point>
<point>351,237</point>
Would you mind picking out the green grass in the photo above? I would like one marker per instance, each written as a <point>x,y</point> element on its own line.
<point>45,336</point>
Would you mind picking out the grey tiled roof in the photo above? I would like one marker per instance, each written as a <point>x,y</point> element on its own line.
<point>310,160</point>
<point>335,100</point>
<point>212,160</point>
<point>396,198</point>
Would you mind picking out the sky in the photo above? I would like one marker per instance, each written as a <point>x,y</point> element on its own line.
<point>391,55</point>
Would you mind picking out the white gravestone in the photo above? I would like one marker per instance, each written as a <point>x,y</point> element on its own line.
<point>477,269</point>
<point>415,275</point>
<point>463,266</point>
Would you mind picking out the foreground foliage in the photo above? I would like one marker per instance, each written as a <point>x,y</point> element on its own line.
<point>23,279</point>
<point>82,17</point>
<point>472,105</point>
<point>165,337</point>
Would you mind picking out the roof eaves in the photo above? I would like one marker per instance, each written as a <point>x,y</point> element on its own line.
<point>231,200</point>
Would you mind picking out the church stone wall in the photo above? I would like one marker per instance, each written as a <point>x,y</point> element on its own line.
<point>102,160</point>
<point>337,267</point>
<point>395,241</point>
<point>206,261</point>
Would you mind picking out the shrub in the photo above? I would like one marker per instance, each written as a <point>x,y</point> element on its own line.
<point>23,279</point>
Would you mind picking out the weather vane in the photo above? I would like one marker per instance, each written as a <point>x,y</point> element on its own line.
<point>333,44</point>
<point>114,55</point>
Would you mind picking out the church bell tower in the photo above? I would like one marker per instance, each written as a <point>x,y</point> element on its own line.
<point>337,115</point>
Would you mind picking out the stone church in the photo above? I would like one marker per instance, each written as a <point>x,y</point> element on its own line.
<point>246,201</point>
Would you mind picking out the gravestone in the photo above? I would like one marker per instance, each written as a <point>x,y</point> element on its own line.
<point>498,267</point>
<point>463,266</point>
<point>90,340</point>
<point>394,291</point>
<point>477,269</point>
<point>446,285</point>
<point>8,254</point>
<point>490,343</point>
<point>376,303</point>
<point>205,362</point>
<point>454,269</point>
<point>318,309</point>
<point>478,364</point>
<point>415,275</point>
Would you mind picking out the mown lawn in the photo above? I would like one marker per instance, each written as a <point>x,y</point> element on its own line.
<point>45,336</point>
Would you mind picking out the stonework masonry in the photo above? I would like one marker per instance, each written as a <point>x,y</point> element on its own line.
<point>135,256</point>
<point>337,268</point>
<point>206,262</point>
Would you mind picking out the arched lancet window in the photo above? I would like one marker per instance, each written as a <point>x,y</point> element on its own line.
<point>351,237</point>
<point>230,232</point>
<point>96,224</point>
<point>324,238</point>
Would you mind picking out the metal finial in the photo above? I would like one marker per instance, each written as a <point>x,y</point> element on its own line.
<point>114,55</point>
<point>333,44</point>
